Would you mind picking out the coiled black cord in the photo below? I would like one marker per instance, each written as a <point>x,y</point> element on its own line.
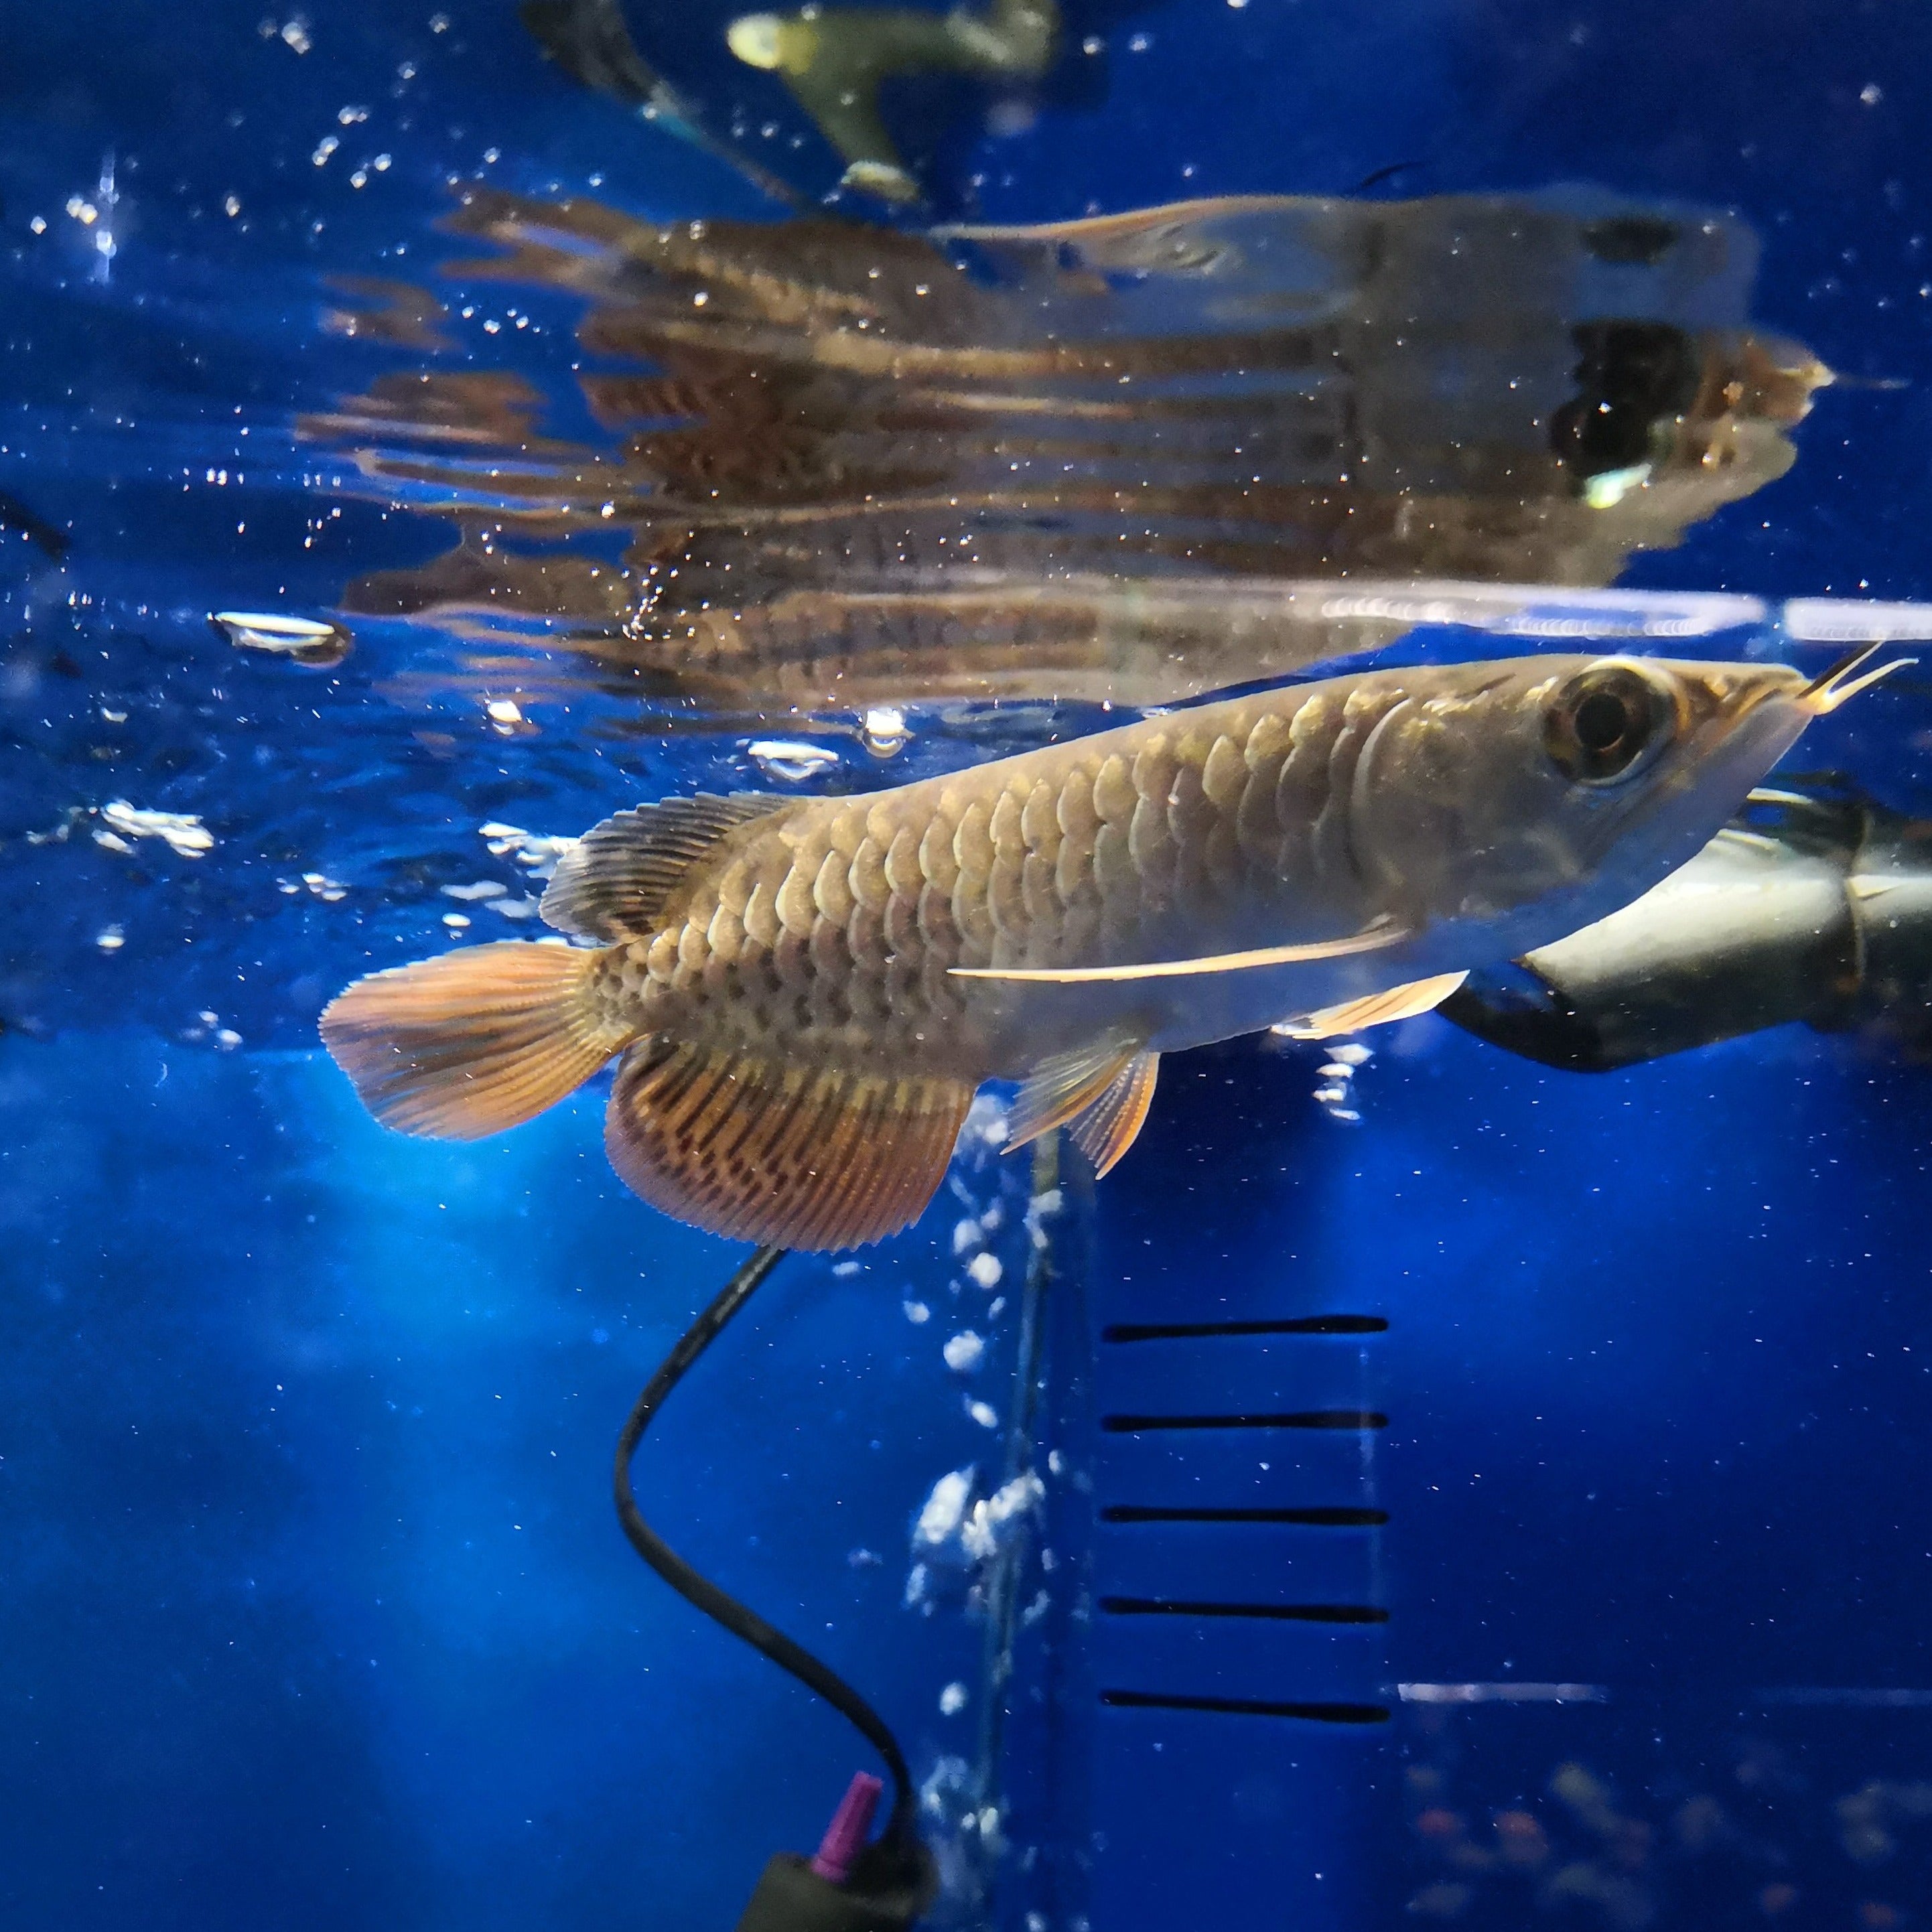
<point>744,1623</point>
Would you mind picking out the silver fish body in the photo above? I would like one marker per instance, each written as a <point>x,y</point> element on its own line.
<point>1426,801</point>
<point>807,993</point>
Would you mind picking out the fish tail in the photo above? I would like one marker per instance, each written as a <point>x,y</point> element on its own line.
<point>477,1040</point>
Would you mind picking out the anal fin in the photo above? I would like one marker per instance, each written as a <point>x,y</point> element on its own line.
<point>1110,1125</point>
<point>1394,1002</point>
<point>1065,1084</point>
<point>794,1154</point>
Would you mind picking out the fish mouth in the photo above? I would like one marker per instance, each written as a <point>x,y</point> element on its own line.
<point>1827,691</point>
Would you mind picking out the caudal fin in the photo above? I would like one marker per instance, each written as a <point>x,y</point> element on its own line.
<point>472,1042</point>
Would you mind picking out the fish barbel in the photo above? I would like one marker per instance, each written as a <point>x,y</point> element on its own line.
<point>806,993</point>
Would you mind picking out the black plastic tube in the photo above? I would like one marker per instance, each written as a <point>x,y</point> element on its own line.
<point>743,1623</point>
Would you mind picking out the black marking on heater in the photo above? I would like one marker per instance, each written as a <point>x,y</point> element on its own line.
<point>1301,1418</point>
<point>1292,1613</point>
<point>1321,1516</point>
<point>1320,1713</point>
<point>1301,1324</point>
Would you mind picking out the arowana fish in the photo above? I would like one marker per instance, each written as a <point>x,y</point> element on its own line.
<point>806,993</point>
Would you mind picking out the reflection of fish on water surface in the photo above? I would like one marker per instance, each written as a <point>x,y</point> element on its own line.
<point>806,994</point>
<point>850,466</point>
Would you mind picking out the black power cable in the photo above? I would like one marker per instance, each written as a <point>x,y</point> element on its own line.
<point>891,1881</point>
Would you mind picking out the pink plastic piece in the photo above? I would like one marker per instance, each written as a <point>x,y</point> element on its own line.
<point>851,1825</point>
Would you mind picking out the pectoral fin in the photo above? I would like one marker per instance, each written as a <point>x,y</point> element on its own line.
<point>1374,939</point>
<point>1066,1084</point>
<point>1396,1003</point>
<point>1109,1127</point>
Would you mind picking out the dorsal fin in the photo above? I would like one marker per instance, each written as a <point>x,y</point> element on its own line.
<point>615,882</point>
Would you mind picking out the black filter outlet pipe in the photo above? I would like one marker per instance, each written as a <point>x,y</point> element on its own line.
<point>890,1881</point>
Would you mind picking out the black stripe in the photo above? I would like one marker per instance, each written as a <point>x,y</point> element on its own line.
<point>1248,1707</point>
<point>1303,1324</point>
<point>1306,1418</point>
<point>1296,1613</point>
<point>1324,1517</point>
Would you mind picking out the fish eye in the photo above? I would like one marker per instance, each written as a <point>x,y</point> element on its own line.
<point>1607,723</point>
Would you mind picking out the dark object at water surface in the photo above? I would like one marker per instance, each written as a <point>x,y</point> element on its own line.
<point>1817,907</point>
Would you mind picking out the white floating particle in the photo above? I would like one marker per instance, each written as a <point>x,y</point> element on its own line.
<point>226,1039</point>
<point>110,939</point>
<point>953,1700</point>
<point>483,889</point>
<point>788,759</point>
<point>844,1271</point>
<point>917,1313</point>
<point>296,34</point>
<point>456,921</point>
<point>985,1270</point>
<point>525,907</point>
<point>182,831</point>
<point>1335,1070</point>
<point>38,224</point>
<point>231,205</point>
<point>984,1413</point>
<point>1355,1055</point>
<point>349,116</point>
<point>964,1352</point>
<point>308,640</point>
<point>883,731</point>
<point>966,1234</point>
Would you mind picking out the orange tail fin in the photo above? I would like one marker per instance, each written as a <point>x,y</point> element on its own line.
<point>472,1042</point>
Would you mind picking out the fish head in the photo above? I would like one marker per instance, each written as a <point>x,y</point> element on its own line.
<point>1538,794</point>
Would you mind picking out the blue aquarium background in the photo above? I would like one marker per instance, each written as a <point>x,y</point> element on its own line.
<point>1486,1496</point>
